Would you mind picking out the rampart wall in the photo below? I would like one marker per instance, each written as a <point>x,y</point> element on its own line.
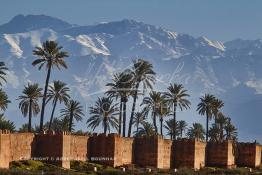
<point>113,150</point>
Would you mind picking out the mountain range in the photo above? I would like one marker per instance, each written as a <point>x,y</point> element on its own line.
<point>230,70</point>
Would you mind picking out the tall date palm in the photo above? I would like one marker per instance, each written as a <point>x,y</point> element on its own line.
<point>152,103</point>
<point>50,55</point>
<point>121,87</point>
<point>29,102</point>
<point>143,73</point>
<point>73,110</point>
<point>177,97</point>
<point>104,112</point>
<point>57,92</point>
<point>205,107</point>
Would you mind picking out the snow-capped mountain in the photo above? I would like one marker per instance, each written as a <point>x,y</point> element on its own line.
<point>230,70</point>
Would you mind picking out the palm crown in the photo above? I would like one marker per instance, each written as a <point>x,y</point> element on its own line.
<point>73,110</point>
<point>177,96</point>
<point>3,70</point>
<point>196,132</point>
<point>3,100</point>
<point>29,101</point>
<point>104,112</point>
<point>142,72</point>
<point>58,92</point>
<point>153,103</point>
<point>49,54</point>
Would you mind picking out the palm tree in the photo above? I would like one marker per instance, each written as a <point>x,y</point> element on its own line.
<point>139,118</point>
<point>6,124</point>
<point>181,126</point>
<point>231,130</point>
<point>205,108</point>
<point>3,70</point>
<point>196,132</point>
<point>29,102</point>
<point>214,133</point>
<point>73,110</point>
<point>57,92</point>
<point>216,109</point>
<point>103,112</point>
<point>3,100</point>
<point>169,127</point>
<point>152,103</point>
<point>146,130</point>
<point>221,122</point>
<point>177,96</point>
<point>142,72</point>
<point>121,88</point>
<point>162,111</point>
<point>50,55</point>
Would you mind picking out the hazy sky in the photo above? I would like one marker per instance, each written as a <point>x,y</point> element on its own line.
<point>221,20</point>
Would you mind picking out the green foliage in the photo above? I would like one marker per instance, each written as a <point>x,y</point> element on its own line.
<point>6,124</point>
<point>3,70</point>
<point>103,112</point>
<point>73,110</point>
<point>3,100</point>
<point>196,132</point>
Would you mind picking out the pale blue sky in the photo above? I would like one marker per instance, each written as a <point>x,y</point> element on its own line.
<point>221,20</point>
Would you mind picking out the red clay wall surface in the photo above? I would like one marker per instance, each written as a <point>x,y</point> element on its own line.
<point>220,154</point>
<point>5,154</point>
<point>116,151</point>
<point>21,146</point>
<point>145,151</point>
<point>200,154</point>
<point>153,151</point>
<point>248,154</point>
<point>111,150</point>
<point>79,147</point>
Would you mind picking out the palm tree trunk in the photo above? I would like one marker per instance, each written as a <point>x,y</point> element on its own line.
<point>105,126</point>
<point>71,121</point>
<point>30,116</point>
<point>221,132</point>
<point>120,118</point>
<point>181,133</point>
<point>133,111</point>
<point>154,122</point>
<point>161,126</point>
<point>124,119</point>
<point>52,115</point>
<point>207,120</point>
<point>174,124</point>
<point>44,98</point>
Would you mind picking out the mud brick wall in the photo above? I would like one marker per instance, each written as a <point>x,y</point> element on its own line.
<point>145,151</point>
<point>164,154</point>
<point>5,153</point>
<point>22,146</point>
<point>248,154</point>
<point>189,153</point>
<point>184,153</point>
<point>200,154</point>
<point>220,154</point>
<point>123,151</point>
<point>79,148</point>
<point>111,150</point>
<point>54,148</point>
<point>153,151</point>
<point>101,149</point>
